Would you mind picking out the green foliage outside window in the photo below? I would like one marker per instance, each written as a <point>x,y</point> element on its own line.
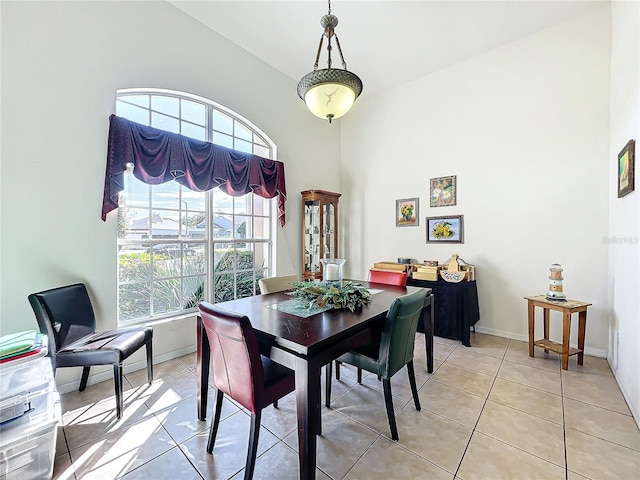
<point>135,298</point>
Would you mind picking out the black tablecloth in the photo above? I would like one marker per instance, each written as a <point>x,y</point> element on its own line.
<point>456,308</point>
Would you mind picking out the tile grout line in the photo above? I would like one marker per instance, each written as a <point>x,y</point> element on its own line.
<point>564,429</point>
<point>481,411</point>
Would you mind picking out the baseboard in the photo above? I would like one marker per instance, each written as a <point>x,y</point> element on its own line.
<point>594,352</point>
<point>128,368</point>
<point>634,411</point>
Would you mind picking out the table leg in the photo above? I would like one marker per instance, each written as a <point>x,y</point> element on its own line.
<point>546,326</point>
<point>582,324</point>
<point>203,361</point>
<point>566,334</point>
<point>307,401</point>
<point>531,310</point>
<point>428,334</point>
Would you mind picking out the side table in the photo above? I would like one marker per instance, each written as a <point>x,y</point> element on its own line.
<point>567,308</point>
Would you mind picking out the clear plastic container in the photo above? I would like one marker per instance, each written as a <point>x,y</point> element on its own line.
<point>24,384</point>
<point>28,443</point>
<point>29,418</point>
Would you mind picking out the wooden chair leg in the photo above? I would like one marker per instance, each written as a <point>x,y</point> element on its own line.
<point>253,445</point>
<point>213,431</point>
<point>149,362</point>
<point>412,382</point>
<point>327,383</point>
<point>359,375</point>
<point>338,370</point>
<point>388,401</point>
<point>117,382</point>
<point>84,378</point>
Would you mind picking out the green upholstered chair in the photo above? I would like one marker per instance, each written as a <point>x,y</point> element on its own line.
<point>393,351</point>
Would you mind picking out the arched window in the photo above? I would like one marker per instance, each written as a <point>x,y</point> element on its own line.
<point>177,246</point>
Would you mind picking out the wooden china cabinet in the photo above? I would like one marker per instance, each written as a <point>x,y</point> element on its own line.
<point>319,231</point>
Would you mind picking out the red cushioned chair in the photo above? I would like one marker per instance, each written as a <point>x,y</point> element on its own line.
<point>240,372</point>
<point>388,277</point>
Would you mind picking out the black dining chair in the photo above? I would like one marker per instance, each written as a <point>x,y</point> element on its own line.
<point>66,316</point>
<point>392,351</point>
<point>240,372</point>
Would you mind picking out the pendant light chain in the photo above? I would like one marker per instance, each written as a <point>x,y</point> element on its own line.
<point>329,92</point>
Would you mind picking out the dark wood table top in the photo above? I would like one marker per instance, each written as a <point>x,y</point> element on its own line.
<point>305,336</point>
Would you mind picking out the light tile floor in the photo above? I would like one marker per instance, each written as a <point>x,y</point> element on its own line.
<point>488,412</point>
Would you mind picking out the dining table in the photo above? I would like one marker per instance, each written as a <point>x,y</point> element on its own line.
<point>305,345</point>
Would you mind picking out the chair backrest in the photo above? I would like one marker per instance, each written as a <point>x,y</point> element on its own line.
<point>399,332</point>
<point>277,284</point>
<point>388,277</point>
<point>235,356</point>
<point>64,314</point>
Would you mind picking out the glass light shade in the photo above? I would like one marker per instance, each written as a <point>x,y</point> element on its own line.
<point>329,100</point>
<point>329,93</point>
<point>332,271</point>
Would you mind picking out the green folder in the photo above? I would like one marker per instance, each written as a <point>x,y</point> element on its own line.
<point>20,342</point>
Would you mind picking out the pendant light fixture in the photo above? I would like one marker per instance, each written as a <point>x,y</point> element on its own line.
<point>330,92</point>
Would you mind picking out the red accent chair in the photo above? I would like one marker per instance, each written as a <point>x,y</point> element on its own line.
<point>240,372</point>
<point>388,277</point>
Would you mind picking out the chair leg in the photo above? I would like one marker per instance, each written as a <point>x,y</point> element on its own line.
<point>149,362</point>
<point>84,378</point>
<point>319,432</point>
<point>253,445</point>
<point>213,431</point>
<point>359,375</point>
<point>275,404</point>
<point>388,401</point>
<point>327,383</point>
<point>117,382</point>
<point>412,382</point>
<point>338,370</point>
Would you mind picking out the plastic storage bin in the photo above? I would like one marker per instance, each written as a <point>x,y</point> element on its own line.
<point>30,413</point>
<point>23,385</point>
<point>28,444</point>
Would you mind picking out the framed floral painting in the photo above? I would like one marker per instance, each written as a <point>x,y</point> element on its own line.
<point>443,191</point>
<point>626,169</point>
<point>407,214</point>
<point>448,229</point>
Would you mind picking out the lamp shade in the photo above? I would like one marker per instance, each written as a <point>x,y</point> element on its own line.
<point>329,93</point>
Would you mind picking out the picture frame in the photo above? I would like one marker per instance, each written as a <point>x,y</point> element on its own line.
<point>442,191</point>
<point>407,212</point>
<point>446,229</point>
<point>626,168</point>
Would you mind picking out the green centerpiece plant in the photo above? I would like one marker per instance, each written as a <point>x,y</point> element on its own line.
<point>350,296</point>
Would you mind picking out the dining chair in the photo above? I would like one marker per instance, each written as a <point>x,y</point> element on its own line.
<point>393,351</point>
<point>277,284</point>
<point>240,372</point>
<point>385,277</point>
<point>66,316</point>
<point>388,277</point>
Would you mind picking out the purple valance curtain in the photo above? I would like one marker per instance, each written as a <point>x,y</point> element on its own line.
<point>159,156</point>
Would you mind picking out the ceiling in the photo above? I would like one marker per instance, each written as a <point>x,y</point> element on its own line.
<point>386,43</point>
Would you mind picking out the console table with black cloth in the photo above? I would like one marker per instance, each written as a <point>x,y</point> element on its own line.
<point>456,308</point>
<point>304,345</point>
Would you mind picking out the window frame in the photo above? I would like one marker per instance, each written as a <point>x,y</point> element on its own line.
<point>259,141</point>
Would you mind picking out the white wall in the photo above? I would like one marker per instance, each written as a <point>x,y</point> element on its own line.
<point>62,63</point>
<point>624,213</point>
<point>525,129</point>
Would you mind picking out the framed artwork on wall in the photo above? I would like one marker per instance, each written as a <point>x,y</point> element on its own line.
<point>443,191</point>
<point>448,229</point>
<point>626,167</point>
<point>407,214</point>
